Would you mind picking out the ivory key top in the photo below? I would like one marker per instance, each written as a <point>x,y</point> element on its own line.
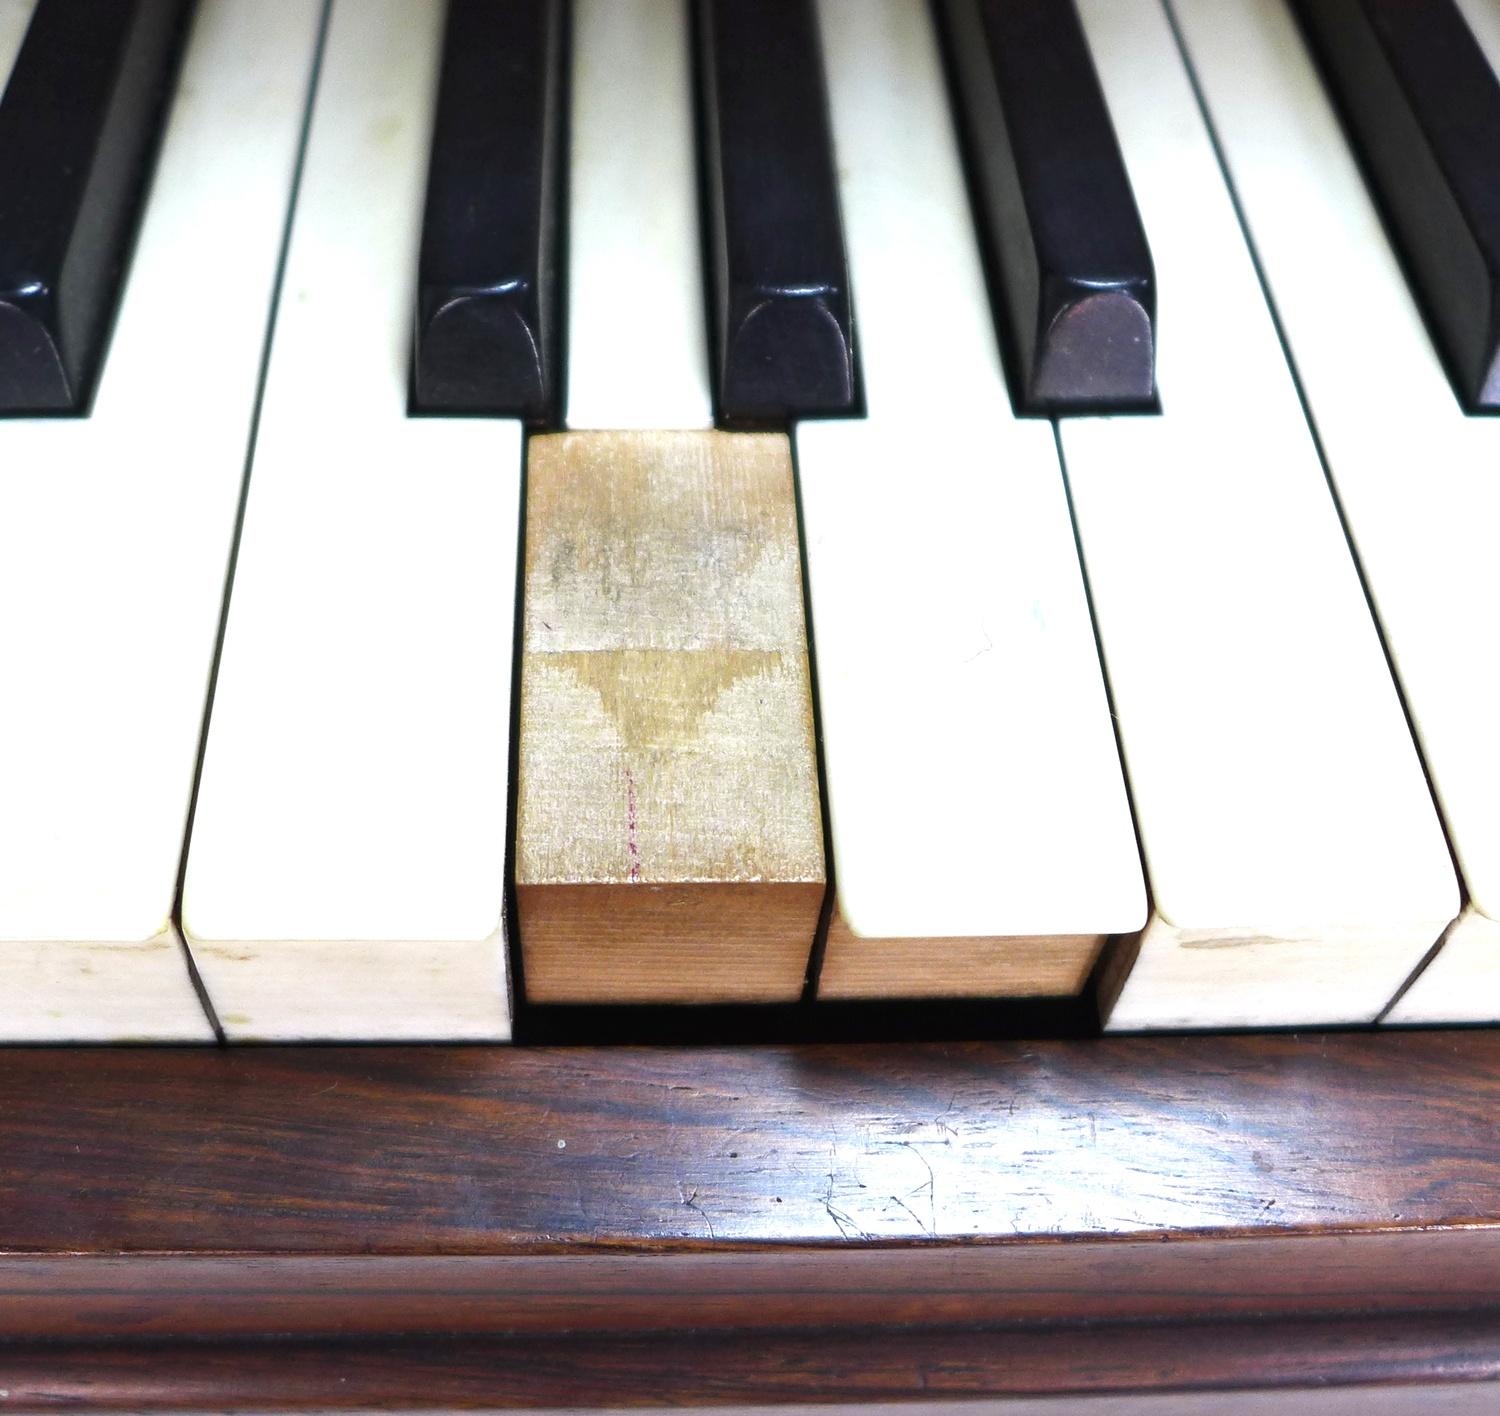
<point>669,842</point>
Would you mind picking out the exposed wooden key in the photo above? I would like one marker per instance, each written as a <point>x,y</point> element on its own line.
<point>669,845</point>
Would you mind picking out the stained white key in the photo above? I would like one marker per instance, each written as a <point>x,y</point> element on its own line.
<point>345,873</point>
<point>115,533</point>
<point>637,339</point>
<point>1297,866</point>
<point>1415,476</point>
<point>974,783</point>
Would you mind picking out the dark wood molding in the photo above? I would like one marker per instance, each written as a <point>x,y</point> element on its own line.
<point>848,1370</point>
<point>228,1193</point>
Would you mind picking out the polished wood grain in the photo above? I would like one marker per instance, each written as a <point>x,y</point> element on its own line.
<point>669,839</point>
<point>1296,1366</point>
<point>390,1190</point>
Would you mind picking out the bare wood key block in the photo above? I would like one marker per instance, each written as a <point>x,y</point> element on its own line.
<point>669,844</point>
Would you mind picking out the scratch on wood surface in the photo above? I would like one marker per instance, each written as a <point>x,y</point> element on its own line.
<point>691,1202</point>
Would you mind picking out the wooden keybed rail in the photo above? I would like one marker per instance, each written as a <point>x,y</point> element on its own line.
<point>562,1227</point>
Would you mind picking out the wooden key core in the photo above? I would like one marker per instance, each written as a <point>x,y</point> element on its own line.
<point>1011,966</point>
<point>669,843</point>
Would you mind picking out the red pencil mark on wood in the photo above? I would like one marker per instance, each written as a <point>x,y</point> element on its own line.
<point>632,846</point>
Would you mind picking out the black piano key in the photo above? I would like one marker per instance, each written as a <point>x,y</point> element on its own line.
<point>487,319</point>
<point>79,124</point>
<point>783,324</point>
<point>1064,240</point>
<point>1422,107</point>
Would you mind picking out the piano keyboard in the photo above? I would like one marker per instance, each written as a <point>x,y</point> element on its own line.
<point>701,501</point>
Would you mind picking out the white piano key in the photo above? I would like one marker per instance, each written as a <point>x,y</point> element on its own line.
<point>973,780</point>
<point>637,338</point>
<point>1461,983</point>
<point>115,532</point>
<point>1415,476</point>
<point>1297,866</point>
<point>346,867</point>
<point>1483,17</point>
<point>15,15</point>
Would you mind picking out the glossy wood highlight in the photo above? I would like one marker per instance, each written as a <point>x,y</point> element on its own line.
<point>389,1190</point>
